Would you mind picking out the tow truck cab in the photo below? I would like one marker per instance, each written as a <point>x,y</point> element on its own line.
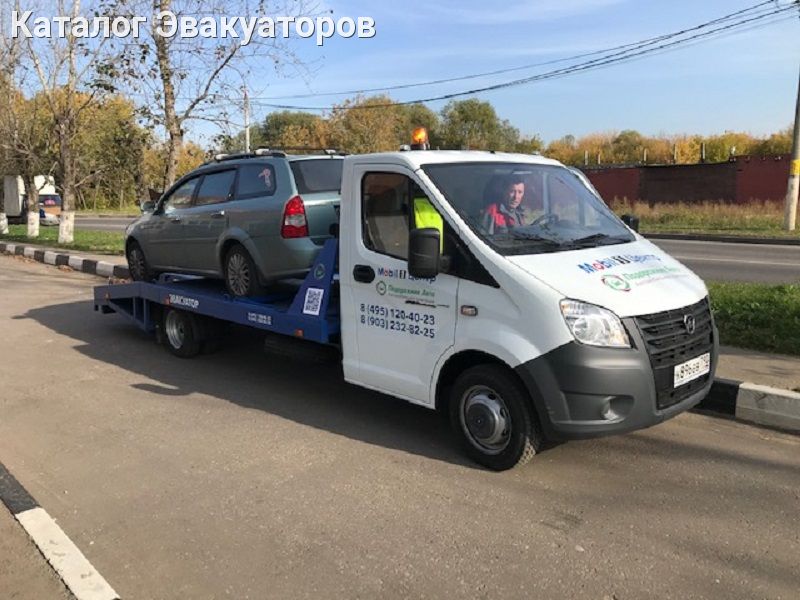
<point>552,319</point>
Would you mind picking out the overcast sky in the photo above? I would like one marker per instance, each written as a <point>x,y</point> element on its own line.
<point>745,82</point>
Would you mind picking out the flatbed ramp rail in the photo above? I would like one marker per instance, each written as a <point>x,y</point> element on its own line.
<point>310,313</point>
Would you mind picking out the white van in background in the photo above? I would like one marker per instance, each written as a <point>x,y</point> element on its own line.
<point>16,204</point>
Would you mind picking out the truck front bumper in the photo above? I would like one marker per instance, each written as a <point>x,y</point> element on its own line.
<point>582,391</point>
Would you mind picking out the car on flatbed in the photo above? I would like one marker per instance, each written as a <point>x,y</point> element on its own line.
<point>248,219</point>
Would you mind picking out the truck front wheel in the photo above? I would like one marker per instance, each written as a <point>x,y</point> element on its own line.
<point>492,415</point>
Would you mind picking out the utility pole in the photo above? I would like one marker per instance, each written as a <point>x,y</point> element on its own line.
<point>790,216</point>
<point>246,120</point>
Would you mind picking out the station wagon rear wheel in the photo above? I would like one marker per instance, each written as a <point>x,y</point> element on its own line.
<point>137,263</point>
<point>241,274</point>
<point>492,415</point>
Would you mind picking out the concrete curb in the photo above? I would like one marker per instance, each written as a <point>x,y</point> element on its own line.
<point>733,239</point>
<point>78,263</point>
<point>760,404</point>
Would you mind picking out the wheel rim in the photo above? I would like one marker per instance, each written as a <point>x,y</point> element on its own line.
<point>136,260</point>
<point>176,334</point>
<point>238,274</point>
<point>485,419</point>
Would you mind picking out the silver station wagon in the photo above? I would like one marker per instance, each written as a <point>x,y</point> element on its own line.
<point>248,219</point>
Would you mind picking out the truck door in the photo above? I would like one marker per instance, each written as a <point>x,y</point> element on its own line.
<point>402,325</point>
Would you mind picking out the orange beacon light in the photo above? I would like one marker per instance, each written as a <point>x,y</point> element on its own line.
<point>419,139</point>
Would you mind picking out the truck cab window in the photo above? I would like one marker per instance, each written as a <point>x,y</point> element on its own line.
<point>385,213</point>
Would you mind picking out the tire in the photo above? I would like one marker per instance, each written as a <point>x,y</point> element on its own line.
<point>241,274</point>
<point>492,415</point>
<point>181,333</point>
<point>138,267</point>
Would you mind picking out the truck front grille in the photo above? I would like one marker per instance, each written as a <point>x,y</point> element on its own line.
<point>669,343</point>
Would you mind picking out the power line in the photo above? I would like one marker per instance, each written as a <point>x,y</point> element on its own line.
<point>642,48</point>
<point>649,41</point>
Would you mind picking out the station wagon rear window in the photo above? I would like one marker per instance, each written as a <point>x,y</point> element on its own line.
<point>318,175</point>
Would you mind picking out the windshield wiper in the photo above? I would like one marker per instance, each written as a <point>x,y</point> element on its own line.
<point>532,237</point>
<point>599,237</point>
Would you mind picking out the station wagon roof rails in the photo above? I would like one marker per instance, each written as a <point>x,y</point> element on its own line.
<point>239,155</point>
<point>312,149</point>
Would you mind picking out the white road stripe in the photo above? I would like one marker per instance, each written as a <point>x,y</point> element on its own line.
<point>78,574</point>
<point>737,261</point>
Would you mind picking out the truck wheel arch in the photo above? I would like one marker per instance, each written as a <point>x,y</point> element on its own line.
<point>465,359</point>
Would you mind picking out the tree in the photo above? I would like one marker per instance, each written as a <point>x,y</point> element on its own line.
<point>110,144</point>
<point>365,125</point>
<point>777,143</point>
<point>470,124</point>
<point>72,74</point>
<point>194,78</point>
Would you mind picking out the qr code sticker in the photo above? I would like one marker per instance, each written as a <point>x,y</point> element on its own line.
<point>313,301</point>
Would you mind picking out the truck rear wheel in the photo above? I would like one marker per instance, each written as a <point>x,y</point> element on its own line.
<point>181,333</point>
<point>492,415</point>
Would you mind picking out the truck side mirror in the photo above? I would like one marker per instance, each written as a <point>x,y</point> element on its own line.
<point>424,253</point>
<point>147,206</point>
<point>631,221</point>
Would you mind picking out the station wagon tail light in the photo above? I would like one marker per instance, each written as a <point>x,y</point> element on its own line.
<point>295,224</point>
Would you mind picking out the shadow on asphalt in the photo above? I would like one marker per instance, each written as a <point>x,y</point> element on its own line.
<point>243,373</point>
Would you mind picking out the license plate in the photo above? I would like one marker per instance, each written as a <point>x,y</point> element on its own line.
<point>692,369</point>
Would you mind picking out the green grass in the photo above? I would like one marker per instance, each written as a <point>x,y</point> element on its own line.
<point>762,219</point>
<point>101,242</point>
<point>757,316</point>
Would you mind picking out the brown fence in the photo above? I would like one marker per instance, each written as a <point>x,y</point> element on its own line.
<point>739,181</point>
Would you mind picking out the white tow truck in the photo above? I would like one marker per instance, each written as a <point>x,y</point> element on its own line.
<point>496,287</point>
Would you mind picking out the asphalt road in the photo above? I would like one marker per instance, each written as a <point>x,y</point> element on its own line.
<point>103,223</point>
<point>250,475</point>
<point>718,261</point>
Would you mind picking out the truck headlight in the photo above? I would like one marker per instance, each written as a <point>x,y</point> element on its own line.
<point>593,325</point>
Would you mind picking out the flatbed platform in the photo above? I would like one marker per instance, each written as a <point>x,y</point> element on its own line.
<point>311,312</point>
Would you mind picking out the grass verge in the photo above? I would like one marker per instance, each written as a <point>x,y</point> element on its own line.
<point>757,316</point>
<point>101,242</point>
<point>755,219</point>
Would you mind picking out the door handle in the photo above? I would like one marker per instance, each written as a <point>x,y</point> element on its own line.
<point>218,215</point>
<point>364,273</point>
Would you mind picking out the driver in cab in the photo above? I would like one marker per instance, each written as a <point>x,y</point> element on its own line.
<point>509,212</point>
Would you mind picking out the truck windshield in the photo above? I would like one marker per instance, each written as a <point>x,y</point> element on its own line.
<point>522,208</point>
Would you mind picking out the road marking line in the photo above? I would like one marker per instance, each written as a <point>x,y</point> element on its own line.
<point>737,261</point>
<point>78,574</point>
<point>75,570</point>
